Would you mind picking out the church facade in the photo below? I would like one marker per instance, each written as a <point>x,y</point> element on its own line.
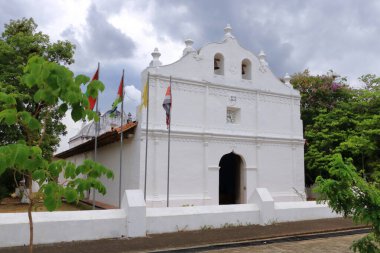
<point>235,127</point>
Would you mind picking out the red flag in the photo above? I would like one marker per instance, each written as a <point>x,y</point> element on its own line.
<point>92,100</point>
<point>120,95</point>
<point>167,104</point>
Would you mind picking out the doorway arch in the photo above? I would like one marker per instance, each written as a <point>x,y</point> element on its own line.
<point>231,179</point>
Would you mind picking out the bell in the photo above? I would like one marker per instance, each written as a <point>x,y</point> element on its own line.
<point>216,64</point>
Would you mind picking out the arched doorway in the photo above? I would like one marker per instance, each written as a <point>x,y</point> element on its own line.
<point>231,183</point>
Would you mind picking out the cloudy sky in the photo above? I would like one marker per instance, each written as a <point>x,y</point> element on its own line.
<point>342,35</point>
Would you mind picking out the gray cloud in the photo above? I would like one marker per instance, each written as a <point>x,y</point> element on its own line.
<point>295,34</point>
<point>104,40</point>
<point>342,35</point>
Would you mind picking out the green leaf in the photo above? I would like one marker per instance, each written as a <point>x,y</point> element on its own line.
<point>21,155</point>
<point>81,79</point>
<point>35,150</point>
<point>71,195</point>
<point>98,85</point>
<point>24,117</point>
<point>63,108</point>
<point>39,95</point>
<point>34,124</point>
<point>3,160</point>
<point>9,116</point>
<point>109,174</point>
<point>77,112</point>
<point>70,171</point>
<point>50,188</point>
<point>39,175</point>
<point>50,203</point>
<point>7,99</point>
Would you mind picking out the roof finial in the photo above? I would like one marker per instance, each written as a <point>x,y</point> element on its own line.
<point>189,47</point>
<point>227,32</point>
<point>287,79</point>
<point>262,58</point>
<point>156,56</point>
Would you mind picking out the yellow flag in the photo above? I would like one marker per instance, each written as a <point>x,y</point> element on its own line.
<point>144,96</point>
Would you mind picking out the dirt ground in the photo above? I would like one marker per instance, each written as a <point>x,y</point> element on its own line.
<point>13,205</point>
<point>192,238</point>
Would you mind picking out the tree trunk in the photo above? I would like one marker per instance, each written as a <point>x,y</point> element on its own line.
<point>30,215</point>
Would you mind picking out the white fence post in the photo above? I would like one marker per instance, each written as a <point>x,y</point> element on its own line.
<point>134,205</point>
<point>265,202</point>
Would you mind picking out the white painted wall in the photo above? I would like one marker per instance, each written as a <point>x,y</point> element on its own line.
<point>52,227</point>
<point>135,220</point>
<point>298,211</point>
<point>109,156</point>
<point>176,219</point>
<point>268,135</point>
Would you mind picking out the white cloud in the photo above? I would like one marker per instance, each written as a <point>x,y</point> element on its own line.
<point>132,94</point>
<point>137,24</point>
<point>132,99</point>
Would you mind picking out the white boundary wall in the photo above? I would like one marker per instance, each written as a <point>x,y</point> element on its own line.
<point>135,220</point>
<point>163,220</point>
<point>51,227</point>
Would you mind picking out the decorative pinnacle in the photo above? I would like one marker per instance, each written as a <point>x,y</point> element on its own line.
<point>287,79</point>
<point>156,56</point>
<point>189,42</point>
<point>188,48</point>
<point>262,58</point>
<point>262,55</point>
<point>227,32</point>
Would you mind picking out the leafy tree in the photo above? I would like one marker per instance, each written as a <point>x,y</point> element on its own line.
<point>56,90</point>
<point>347,193</point>
<point>338,119</point>
<point>352,129</point>
<point>321,92</point>
<point>20,41</point>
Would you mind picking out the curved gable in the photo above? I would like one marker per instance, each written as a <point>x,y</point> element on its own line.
<point>223,63</point>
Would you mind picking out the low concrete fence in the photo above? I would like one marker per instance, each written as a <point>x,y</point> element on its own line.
<point>51,227</point>
<point>174,219</point>
<point>135,220</point>
<point>297,211</point>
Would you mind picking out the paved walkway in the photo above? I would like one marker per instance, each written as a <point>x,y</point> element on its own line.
<point>326,245</point>
<point>187,239</point>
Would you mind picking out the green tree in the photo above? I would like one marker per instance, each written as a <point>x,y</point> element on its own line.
<point>56,89</point>
<point>347,193</point>
<point>320,92</point>
<point>338,119</point>
<point>351,128</point>
<point>20,41</point>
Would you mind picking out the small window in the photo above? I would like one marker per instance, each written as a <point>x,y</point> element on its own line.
<point>233,115</point>
<point>246,69</point>
<point>219,64</point>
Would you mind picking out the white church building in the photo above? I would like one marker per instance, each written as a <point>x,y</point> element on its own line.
<point>235,127</point>
<point>236,154</point>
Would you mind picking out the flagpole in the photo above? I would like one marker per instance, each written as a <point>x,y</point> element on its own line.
<point>96,141</point>
<point>146,137</point>
<point>170,122</point>
<point>121,139</point>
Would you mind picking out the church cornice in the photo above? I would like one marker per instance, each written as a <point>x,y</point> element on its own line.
<point>219,86</point>
<point>252,138</point>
